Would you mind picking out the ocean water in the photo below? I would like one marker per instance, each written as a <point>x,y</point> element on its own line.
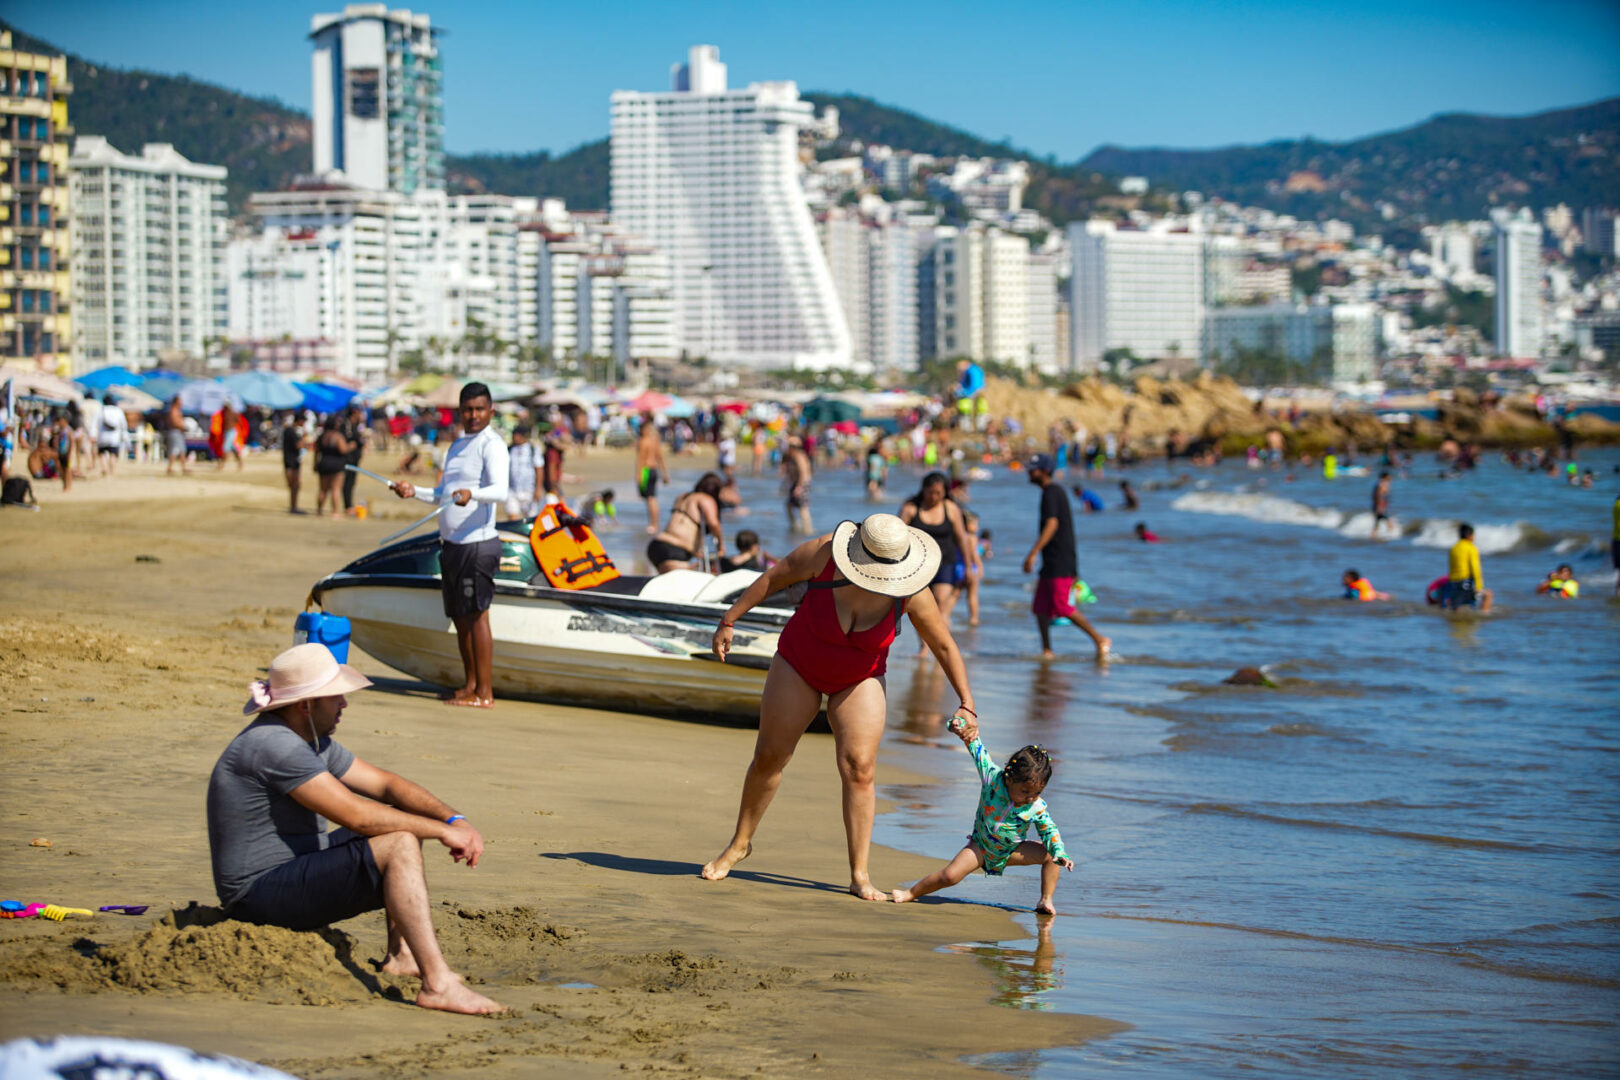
<point>1403,858</point>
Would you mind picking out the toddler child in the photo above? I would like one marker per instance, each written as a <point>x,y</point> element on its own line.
<point>1009,803</point>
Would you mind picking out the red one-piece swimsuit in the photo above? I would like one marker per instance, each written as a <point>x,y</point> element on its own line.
<point>814,643</point>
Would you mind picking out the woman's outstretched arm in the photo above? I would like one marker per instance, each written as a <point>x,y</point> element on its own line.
<point>936,634</point>
<point>802,563</point>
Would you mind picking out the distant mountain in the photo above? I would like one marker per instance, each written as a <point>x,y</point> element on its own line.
<point>1452,166</point>
<point>263,142</point>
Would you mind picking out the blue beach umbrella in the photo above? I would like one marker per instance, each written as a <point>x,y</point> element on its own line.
<point>324,397</point>
<point>264,388</point>
<point>102,379</point>
<point>162,384</point>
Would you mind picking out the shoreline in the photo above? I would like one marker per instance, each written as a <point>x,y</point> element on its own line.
<point>124,679</point>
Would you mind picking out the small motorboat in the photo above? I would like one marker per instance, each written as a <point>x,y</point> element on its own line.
<point>640,644</point>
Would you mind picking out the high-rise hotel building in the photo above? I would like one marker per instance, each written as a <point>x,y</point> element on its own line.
<point>1520,314</point>
<point>149,254</point>
<point>710,176</point>
<point>378,99</point>
<point>1136,289</point>
<point>35,249</point>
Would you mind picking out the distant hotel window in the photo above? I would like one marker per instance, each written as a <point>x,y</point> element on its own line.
<point>363,93</point>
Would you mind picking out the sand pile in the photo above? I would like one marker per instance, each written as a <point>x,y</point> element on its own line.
<point>199,951</point>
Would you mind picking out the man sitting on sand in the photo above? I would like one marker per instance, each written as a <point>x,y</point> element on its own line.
<point>275,864</point>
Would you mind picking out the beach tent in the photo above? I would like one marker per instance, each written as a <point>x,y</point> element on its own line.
<point>324,397</point>
<point>567,399</point>
<point>500,390</point>
<point>425,383</point>
<point>207,396</point>
<point>102,378</point>
<point>447,395</point>
<point>649,401</point>
<point>263,388</point>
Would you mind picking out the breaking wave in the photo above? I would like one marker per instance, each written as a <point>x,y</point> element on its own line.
<point>1492,538</point>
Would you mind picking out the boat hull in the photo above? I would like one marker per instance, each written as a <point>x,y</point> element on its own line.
<point>572,648</point>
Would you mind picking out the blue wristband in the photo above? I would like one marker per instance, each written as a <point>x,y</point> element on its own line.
<point>453,818</point>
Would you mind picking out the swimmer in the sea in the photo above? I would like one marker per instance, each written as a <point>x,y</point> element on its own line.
<point>1357,587</point>
<point>1561,583</point>
<point>1144,534</point>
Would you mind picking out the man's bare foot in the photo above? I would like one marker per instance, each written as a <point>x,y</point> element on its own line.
<point>456,997</point>
<point>1048,654</point>
<point>404,964</point>
<point>721,865</point>
<point>902,896</point>
<point>466,693</point>
<point>1103,645</point>
<point>1045,907</point>
<point>471,702</point>
<point>865,890</point>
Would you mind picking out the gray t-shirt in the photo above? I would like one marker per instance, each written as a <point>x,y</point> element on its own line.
<point>254,825</point>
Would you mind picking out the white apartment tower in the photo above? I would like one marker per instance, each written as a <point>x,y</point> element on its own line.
<point>1141,290</point>
<point>1520,319</point>
<point>378,99</point>
<point>981,294</point>
<point>348,256</point>
<point>600,292</point>
<point>710,176</point>
<point>148,236</point>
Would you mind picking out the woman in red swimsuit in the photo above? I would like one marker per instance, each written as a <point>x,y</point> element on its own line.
<point>862,578</point>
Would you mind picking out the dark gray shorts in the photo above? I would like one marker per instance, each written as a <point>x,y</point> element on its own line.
<point>467,576</point>
<point>317,889</point>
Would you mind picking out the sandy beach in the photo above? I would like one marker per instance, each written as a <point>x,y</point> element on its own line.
<point>135,613</point>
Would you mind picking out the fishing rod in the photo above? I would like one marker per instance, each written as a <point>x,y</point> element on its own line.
<point>394,486</point>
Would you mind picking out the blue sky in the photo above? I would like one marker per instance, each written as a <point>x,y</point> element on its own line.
<point>1056,78</point>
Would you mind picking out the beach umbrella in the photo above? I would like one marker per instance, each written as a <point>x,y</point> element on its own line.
<point>102,378</point>
<point>263,388</point>
<point>826,410</point>
<point>447,395</point>
<point>425,383</point>
<point>679,407</point>
<point>560,398</point>
<point>500,390</point>
<point>133,397</point>
<point>163,384</point>
<point>325,398</point>
<point>737,407</point>
<point>207,396</point>
<point>41,386</point>
<point>649,401</point>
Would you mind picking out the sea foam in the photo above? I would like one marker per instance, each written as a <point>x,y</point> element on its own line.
<point>1491,538</point>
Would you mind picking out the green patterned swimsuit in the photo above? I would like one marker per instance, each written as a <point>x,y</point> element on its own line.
<point>999,826</point>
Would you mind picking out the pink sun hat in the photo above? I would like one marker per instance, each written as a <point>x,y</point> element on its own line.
<point>302,672</point>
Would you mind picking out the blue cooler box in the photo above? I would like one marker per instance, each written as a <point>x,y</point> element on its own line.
<point>329,630</point>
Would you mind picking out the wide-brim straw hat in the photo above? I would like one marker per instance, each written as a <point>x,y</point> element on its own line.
<point>885,555</point>
<point>300,673</point>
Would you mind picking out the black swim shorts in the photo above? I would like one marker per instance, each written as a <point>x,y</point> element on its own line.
<point>1614,553</point>
<point>647,483</point>
<point>317,889</point>
<point>662,551</point>
<point>467,576</point>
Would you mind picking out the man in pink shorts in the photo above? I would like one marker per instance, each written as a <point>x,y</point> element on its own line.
<point>1059,565</point>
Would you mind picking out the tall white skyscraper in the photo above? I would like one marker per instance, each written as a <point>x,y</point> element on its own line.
<point>149,247</point>
<point>710,176</point>
<point>1520,319</point>
<point>1141,290</point>
<point>378,99</point>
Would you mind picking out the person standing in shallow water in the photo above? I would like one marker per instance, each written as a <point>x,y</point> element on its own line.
<point>862,579</point>
<point>1059,565</point>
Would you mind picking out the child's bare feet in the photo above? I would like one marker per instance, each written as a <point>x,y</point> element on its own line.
<point>1103,645</point>
<point>902,896</point>
<point>455,996</point>
<point>721,865</point>
<point>1045,907</point>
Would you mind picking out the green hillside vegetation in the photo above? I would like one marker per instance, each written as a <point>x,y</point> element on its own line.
<point>1454,166</point>
<point>263,142</point>
<point>1449,167</point>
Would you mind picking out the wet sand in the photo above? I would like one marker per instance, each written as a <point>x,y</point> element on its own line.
<point>135,613</point>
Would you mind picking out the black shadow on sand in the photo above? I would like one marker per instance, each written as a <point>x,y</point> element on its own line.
<point>669,868</point>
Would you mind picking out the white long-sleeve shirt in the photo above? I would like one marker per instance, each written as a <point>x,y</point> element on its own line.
<point>479,464</point>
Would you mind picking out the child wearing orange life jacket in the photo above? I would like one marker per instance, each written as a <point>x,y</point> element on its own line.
<point>1357,587</point>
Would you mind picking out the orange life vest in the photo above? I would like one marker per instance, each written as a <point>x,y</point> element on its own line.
<point>570,556</point>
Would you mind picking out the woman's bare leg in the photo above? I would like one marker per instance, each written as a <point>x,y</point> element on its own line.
<point>857,717</point>
<point>786,708</point>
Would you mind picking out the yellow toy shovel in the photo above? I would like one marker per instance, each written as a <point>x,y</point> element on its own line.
<point>53,911</point>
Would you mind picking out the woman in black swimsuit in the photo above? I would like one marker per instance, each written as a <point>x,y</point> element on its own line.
<point>331,455</point>
<point>932,511</point>
<point>693,513</point>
